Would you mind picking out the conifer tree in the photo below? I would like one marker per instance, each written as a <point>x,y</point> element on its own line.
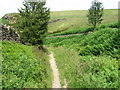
<point>95,13</point>
<point>32,23</point>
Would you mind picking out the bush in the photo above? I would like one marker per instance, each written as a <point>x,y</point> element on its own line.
<point>21,69</point>
<point>98,72</point>
<point>103,41</point>
<point>86,71</point>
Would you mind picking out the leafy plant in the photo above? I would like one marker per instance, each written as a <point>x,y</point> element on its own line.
<point>21,68</point>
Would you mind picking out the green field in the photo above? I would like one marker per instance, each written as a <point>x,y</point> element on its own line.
<point>77,19</point>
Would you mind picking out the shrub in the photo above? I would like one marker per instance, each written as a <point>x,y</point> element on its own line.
<point>21,69</point>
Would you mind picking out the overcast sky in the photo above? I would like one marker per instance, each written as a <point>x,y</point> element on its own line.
<point>10,6</point>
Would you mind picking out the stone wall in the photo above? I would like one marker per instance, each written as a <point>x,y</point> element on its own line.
<point>8,33</point>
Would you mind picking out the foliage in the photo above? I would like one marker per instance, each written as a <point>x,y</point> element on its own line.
<point>96,65</point>
<point>86,29</point>
<point>32,23</point>
<point>98,72</point>
<point>95,13</point>
<point>4,21</point>
<point>110,25</point>
<point>86,71</point>
<point>103,41</point>
<point>21,68</point>
<point>73,31</point>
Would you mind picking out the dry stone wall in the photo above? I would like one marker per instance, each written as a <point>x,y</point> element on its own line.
<point>8,33</point>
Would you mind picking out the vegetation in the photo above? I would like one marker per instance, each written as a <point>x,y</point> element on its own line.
<point>72,20</point>
<point>85,61</point>
<point>86,71</point>
<point>4,21</point>
<point>77,19</point>
<point>21,68</point>
<point>32,23</point>
<point>95,13</point>
<point>87,29</point>
<point>88,61</point>
<point>103,41</point>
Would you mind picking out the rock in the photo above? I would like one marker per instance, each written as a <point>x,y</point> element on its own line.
<point>8,33</point>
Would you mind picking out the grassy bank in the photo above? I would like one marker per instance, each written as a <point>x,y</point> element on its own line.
<point>102,41</point>
<point>23,68</point>
<point>86,71</point>
<point>88,61</point>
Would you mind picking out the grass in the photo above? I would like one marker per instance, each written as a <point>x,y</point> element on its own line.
<point>73,20</point>
<point>77,19</point>
<point>88,61</point>
<point>102,41</point>
<point>87,29</point>
<point>86,71</point>
<point>4,21</point>
<point>22,68</point>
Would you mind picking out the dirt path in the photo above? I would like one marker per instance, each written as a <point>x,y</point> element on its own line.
<point>56,80</point>
<point>69,35</point>
<point>75,34</point>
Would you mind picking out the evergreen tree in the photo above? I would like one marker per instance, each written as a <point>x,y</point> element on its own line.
<point>95,13</point>
<point>32,23</point>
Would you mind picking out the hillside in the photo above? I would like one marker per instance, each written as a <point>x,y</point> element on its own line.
<point>24,67</point>
<point>74,54</point>
<point>88,61</point>
<point>67,20</point>
<point>77,19</point>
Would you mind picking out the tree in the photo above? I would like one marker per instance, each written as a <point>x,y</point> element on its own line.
<point>95,13</point>
<point>32,23</point>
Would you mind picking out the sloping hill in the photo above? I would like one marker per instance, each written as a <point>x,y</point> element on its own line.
<point>66,20</point>
<point>77,19</point>
<point>23,68</point>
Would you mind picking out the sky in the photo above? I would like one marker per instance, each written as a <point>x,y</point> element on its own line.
<point>11,6</point>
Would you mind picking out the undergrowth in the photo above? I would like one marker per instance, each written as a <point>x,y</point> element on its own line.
<point>22,69</point>
<point>86,71</point>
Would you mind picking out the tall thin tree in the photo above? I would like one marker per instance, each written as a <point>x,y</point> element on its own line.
<point>95,13</point>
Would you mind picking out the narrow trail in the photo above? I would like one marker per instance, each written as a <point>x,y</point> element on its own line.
<point>56,80</point>
<point>75,34</point>
<point>69,35</point>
